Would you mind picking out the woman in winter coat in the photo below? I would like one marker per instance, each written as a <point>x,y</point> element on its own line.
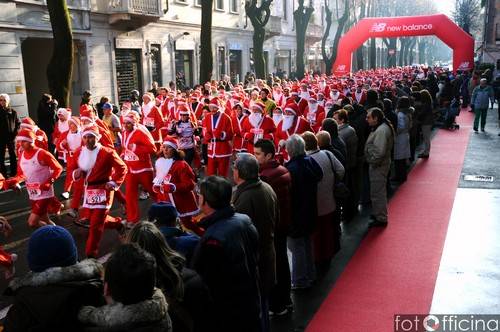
<point>426,119</point>
<point>402,142</point>
<point>187,295</point>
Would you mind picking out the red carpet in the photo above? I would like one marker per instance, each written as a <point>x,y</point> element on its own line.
<point>394,270</point>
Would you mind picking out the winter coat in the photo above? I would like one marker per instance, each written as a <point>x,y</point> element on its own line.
<point>226,259</point>
<point>182,242</point>
<point>279,179</point>
<point>331,168</point>
<point>258,200</point>
<point>306,173</point>
<point>402,140</point>
<point>9,124</point>
<point>50,300</point>
<point>481,97</point>
<point>379,145</point>
<point>150,315</point>
<point>348,135</point>
<point>47,118</point>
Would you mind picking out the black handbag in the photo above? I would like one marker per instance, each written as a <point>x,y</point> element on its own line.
<point>340,189</point>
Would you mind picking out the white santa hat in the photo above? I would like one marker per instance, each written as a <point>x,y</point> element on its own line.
<point>64,111</point>
<point>292,107</point>
<point>28,123</point>
<point>91,130</point>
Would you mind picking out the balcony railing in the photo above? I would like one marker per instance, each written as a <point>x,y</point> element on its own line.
<point>135,7</point>
<point>273,27</point>
<point>314,31</point>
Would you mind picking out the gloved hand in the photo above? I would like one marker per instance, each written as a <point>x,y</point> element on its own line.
<point>169,188</point>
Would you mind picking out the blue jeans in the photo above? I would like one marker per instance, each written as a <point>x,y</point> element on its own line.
<point>303,270</point>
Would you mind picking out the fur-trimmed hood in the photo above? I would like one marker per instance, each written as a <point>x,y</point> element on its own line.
<point>119,315</point>
<point>84,270</point>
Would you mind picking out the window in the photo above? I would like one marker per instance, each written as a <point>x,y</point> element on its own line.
<point>156,63</point>
<point>184,2</point>
<point>497,32</point>
<point>285,10</point>
<point>221,53</point>
<point>234,6</point>
<point>197,3</point>
<point>219,4</point>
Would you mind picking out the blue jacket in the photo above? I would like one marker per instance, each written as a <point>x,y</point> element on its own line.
<point>481,97</point>
<point>306,174</point>
<point>182,242</point>
<point>226,259</point>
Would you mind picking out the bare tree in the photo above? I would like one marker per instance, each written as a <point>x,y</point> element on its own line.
<point>466,14</point>
<point>259,16</point>
<point>60,68</point>
<point>302,15</point>
<point>206,55</point>
<point>329,59</point>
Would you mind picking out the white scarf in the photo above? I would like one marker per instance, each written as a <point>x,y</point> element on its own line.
<point>87,158</point>
<point>287,122</point>
<point>334,95</point>
<point>313,108</point>
<point>277,118</point>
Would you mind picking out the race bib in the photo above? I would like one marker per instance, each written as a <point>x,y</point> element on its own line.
<point>183,141</point>
<point>130,156</point>
<point>210,146</point>
<point>149,122</point>
<point>33,190</point>
<point>96,196</point>
<point>258,134</point>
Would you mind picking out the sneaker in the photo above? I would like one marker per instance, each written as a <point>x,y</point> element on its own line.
<point>143,195</point>
<point>73,213</point>
<point>301,286</point>
<point>83,222</point>
<point>475,130</point>
<point>65,195</point>
<point>424,156</point>
<point>377,223</point>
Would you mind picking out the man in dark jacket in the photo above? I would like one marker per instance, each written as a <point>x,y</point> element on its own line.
<point>226,258</point>
<point>49,297</point>
<point>306,174</point>
<point>279,179</point>
<point>47,118</point>
<point>258,200</point>
<point>9,125</point>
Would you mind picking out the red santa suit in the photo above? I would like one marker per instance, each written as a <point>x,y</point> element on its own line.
<point>237,129</point>
<point>70,142</point>
<point>138,146</point>
<point>279,98</point>
<point>315,116</point>
<point>301,104</point>
<point>60,128</point>
<point>87,114</point>
<point>218,135</point>
<point>296,125</point>
<point>152,118</point>
<point>336,96</point>
<point>38,169</point>
<point>174,182</point>
<point>257,126</point>
<point>103,172</point>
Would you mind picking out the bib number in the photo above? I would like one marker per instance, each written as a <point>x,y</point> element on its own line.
<point>149,122</point>
<point>33,189</point>
<point>96,196</point>
<point>130,156</point>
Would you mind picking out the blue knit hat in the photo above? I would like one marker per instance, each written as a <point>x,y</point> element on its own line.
<point>163,213</point>
<point>107,106</point>
<point>51,246</point>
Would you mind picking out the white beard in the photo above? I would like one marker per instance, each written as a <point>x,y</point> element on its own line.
<point>287,122</point>
<point>162,167</point>
<point>277,118</point>
<point>277,96</point>
<point>74,140</point>
<point>146,108</point>
<point>304,94</point>
<point>321,102</point>
<point>87,158</point>
<point>322,86</point>
<point>255,119</point>
<point>335,96</point>
<point>313,108</point>
<point>63,126</point>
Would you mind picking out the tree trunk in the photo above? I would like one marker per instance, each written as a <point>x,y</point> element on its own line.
<point>359,58</point>
<point>258,52</point>
<point>301,40</point>
<point>59,70</point>
<point>373,54</point>
<point>206,56</point>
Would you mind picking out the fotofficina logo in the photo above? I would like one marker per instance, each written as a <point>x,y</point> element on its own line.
<point>431,323</point>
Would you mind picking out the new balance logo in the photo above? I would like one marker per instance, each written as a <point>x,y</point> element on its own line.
<point>341,68</point>
<point>378,27</point>
<point>464,65</point>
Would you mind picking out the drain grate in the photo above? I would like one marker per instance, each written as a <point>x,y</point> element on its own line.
<point>479,178</point>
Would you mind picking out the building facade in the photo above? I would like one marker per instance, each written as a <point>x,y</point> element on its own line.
<point>491,35</point>
<point>122,45</point>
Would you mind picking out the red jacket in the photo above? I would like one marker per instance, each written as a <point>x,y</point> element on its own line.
<point>137,148</point>
<point>154,121</point>
<point>302,104</point>
<point>315,119</point>
<point>251,134</point>
<point>300,126</point>
<point>219,135</point>
<point>181,175</point>
<point>108,167</point>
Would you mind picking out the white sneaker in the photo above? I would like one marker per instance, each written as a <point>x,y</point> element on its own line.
<point>143,195</point>
<point>65,195</point>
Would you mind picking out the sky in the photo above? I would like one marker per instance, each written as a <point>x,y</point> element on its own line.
<point>445,6</point>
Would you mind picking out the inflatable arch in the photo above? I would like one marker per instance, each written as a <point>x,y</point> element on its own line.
<point>388,27</point>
